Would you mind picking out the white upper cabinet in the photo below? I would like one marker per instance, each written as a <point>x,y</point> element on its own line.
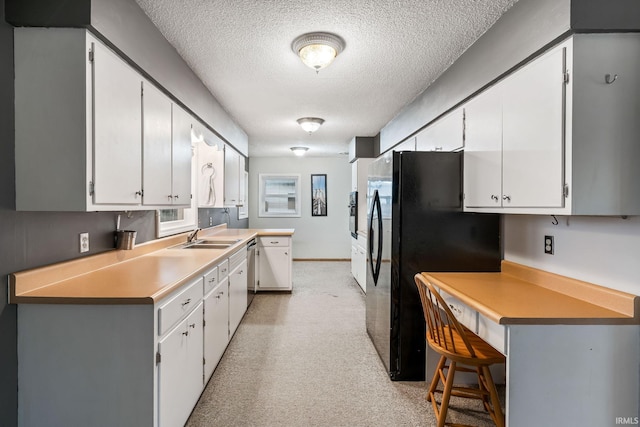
<point>445,134</point>
<point>233,177</point>
<point>80,123</point>
<point>483,151</point>
<point>181,156</point>
<point>117,151</point>
<point>554,137</point>
<point>156,146</point>
<point>533,134</point>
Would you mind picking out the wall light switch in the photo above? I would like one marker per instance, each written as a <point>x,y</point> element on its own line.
<point>84,242</point>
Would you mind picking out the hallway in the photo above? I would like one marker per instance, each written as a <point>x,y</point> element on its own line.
<point>304,359</point>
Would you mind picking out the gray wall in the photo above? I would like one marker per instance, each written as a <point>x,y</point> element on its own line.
<point>316,237</point>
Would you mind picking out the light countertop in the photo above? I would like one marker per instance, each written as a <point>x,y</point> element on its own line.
<point>144,275</point>
<point>523,295</point>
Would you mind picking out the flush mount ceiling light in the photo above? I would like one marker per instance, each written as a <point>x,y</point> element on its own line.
<point>299,151</point>
<point>310,124</point>
<point>317,50</point>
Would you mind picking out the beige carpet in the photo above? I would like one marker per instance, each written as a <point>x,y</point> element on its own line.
<point>304,359</point>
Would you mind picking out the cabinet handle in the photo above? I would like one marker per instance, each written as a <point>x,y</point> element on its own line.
<point>507,198</point>
<point>273,243</point>
<point>193,325</point>
<point>176,197</point>
<point>185,333</point>
<point>169,197</point>
<point>438,148</point>
<point>494,197</point>
<point>240,272</point>
<point>186,302</point>
<point>139,193</point>
<point>213,279</point>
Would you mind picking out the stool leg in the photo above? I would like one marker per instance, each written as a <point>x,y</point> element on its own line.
<point>446,394</point>
<point>436,377</point>
<point>495,401</point>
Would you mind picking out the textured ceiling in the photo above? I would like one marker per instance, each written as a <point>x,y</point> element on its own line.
<point>241,50</point>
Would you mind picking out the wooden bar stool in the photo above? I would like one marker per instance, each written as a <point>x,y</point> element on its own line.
<point>458,345</point>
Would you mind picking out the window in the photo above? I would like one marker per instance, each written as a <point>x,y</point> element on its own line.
<point>174,221</point>
<point>279,195</point>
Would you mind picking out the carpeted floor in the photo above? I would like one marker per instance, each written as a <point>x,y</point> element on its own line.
<point>304,359</point>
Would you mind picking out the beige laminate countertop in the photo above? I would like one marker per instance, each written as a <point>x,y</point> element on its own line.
<point>523,295</point>
<point>144,275</point>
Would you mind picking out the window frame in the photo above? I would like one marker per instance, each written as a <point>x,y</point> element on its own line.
<point>297,211</point>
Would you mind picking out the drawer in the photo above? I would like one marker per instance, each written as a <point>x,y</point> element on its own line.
<point>210,280</point>
<point>465,315</point>
<point>274,241</point>
<point>223,270</point>
<point>177,306</point>
<point>493,333</point>
<point>236,259</point>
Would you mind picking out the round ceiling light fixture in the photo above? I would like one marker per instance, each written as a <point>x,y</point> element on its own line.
<point>310,124</point>
<point>317,50</point>
<point>299,151</point>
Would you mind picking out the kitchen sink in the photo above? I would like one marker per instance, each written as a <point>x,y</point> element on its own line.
<point>207,244</point>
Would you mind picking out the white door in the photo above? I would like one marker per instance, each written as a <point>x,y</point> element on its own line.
<point>156,170</point>
<point>231,177</point>
<point>181,157</point>
<point>237,296</point>
<point>117,121</point>
<point>216,330</point>
<point>483,150</point>
<point>533,134</point>
<point>274,267</point>
<point>180,376</point>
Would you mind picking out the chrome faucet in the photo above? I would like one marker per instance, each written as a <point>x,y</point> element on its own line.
<point>193,236</point>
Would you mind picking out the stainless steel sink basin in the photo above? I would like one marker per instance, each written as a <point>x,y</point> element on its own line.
<point>203,245</point>
<point>207,244</point>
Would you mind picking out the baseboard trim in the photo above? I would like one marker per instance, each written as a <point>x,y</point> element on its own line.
<point>323,259</point>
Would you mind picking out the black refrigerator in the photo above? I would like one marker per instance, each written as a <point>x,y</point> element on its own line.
<point>416,224</point>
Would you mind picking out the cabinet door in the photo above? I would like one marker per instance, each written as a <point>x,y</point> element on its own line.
<point>180,374</point>
<point>181,154</point>
<point>216,329</point>
<point>533,134</point>
<point>156,170</point>
<point>483,150</point>
<point>117,126</point>
<point>274,266</point>
<point>237,296</point>
<point>231,177</point>
<point>446,134</point>
<point>243,211</point>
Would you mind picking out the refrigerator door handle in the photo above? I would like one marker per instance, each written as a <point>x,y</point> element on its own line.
<point>375,207</point>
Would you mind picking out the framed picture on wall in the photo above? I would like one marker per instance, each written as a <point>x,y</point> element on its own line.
<point>319,195</point>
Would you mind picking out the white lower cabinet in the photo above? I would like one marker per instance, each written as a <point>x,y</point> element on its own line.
<point>180,370</point>
<point>127,365</point>
<point>359,261</point>
<point>274,263</point>
<point>216,326</point>
<point>237,289</point>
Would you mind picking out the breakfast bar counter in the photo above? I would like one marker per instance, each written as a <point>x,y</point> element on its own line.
<point>572,348</point>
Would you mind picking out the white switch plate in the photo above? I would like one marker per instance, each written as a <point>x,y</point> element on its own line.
<point>84,242</point>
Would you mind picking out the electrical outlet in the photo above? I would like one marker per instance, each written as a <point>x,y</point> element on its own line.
<point>210,221</point>
<point>548,245</point>
<point>84,242</point>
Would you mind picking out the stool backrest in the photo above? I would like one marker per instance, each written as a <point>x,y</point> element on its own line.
<point>442,325</point>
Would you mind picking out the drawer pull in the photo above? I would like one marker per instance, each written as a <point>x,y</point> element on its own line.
<point>213,279</point>
<point>186,302</point>
<point>273,243</point>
